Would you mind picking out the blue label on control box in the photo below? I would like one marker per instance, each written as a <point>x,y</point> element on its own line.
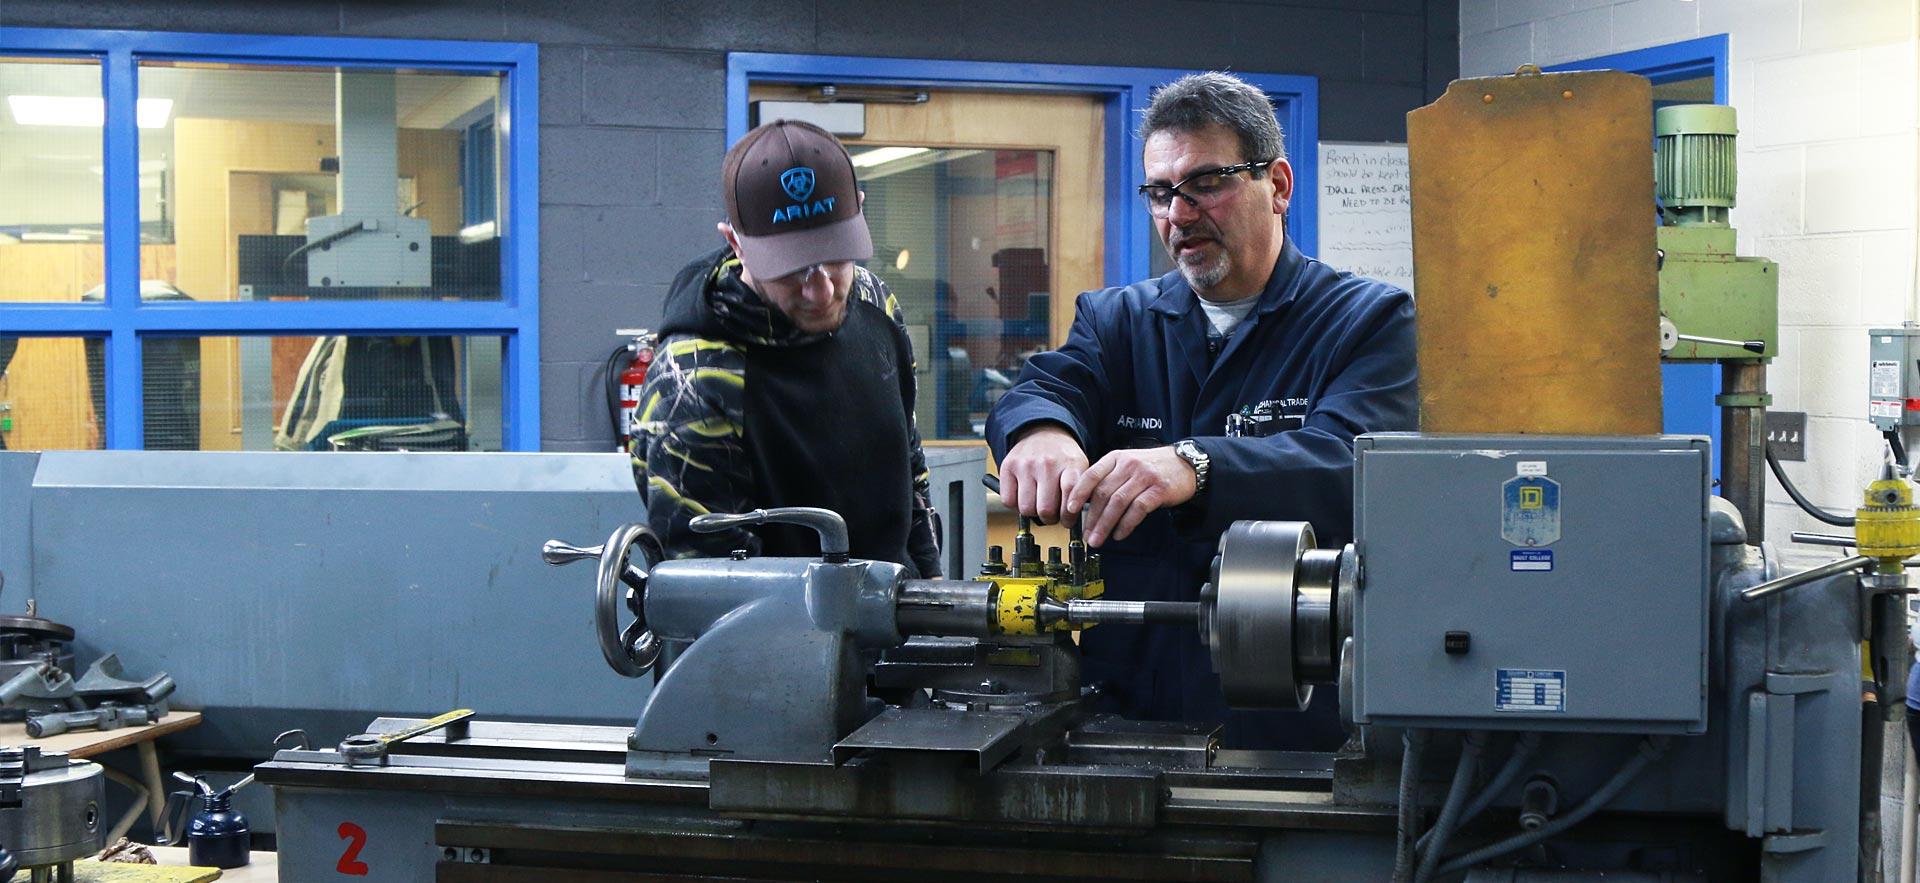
<point>1531,690</point>
<point>1531,560</point>
<point>1530,511</point>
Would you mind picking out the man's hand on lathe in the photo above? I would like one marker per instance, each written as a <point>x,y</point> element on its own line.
<point>1125,486</point>
<point>1039,471</point>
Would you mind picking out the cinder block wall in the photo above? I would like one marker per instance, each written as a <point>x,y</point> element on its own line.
<point>633,95</point>
<point>1826,98</point>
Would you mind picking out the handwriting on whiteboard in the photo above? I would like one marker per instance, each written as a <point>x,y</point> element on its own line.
<point>1366,211</point>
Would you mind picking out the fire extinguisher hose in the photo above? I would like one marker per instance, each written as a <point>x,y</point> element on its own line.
<point>614,367</point>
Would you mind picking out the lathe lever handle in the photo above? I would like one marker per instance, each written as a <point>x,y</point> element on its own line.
<point>1800,579</point>
<point>1824,539</point>
<point>557,553</point>
<point>825,522</point>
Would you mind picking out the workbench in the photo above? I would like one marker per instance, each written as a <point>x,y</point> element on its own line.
<point>150,788</point>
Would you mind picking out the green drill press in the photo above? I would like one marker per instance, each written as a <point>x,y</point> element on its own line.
<point>1714,305</point>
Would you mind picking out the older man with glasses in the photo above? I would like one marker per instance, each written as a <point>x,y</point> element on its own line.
<point>1231,388</point>
<point>783,375</point>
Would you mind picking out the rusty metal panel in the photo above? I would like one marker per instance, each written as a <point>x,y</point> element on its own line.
<point>1534,255</point>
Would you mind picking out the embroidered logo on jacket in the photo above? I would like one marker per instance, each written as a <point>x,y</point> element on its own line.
<point>1267,418</point>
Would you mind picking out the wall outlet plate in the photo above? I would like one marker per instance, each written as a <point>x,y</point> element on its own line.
<point>1787,435</point>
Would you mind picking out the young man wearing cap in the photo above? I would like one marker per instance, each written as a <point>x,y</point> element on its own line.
<point>783,375</point>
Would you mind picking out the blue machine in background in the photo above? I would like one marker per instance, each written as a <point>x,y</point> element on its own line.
<point>307,590</point>
<point>312,590</point>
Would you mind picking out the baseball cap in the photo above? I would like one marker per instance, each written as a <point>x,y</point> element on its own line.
<point>792,199</point>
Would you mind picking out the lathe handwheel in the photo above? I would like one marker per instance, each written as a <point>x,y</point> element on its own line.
<point>631,651</point>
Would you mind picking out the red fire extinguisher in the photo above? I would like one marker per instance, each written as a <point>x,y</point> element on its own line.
<point>639,353</point>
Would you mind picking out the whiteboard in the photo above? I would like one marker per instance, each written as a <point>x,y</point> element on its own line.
<point>1366,211</point>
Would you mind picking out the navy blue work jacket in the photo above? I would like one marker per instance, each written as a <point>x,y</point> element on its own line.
<point>1325,356</point>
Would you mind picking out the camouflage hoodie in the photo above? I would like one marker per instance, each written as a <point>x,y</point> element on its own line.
<point>691,452</point>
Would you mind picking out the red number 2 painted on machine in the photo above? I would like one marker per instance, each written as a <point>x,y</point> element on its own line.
<point>350,863</point>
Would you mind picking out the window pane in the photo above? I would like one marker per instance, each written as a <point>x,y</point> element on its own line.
<point>357,393</point>
<point>52,197</point>
<point>45,401</point>
<point>961,236</point>
<point>294,183</point>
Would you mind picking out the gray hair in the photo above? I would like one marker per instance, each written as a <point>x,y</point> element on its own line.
<point>1197,101</point>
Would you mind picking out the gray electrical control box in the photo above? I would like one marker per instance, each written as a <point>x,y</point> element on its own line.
<point>1893,377</point>
<point>1532,582</point>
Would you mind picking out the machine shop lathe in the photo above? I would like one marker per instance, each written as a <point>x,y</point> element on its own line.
<point>1686,723</point>
<point>1560,656</point>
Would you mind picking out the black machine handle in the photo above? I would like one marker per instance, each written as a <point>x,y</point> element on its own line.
<point>993,484</point>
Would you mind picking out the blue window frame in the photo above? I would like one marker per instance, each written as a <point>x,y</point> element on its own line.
<point>1685,60</point>
<point>1126,91</point>
<point>123,321</point>
<point>1688,390</point>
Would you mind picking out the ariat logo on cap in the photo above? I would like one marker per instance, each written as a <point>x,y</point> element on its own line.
<point>798,182</point>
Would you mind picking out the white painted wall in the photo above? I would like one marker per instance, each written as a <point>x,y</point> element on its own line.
<point>1826,96</point>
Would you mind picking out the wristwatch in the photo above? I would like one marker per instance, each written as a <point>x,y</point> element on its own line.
<point>1196,458</point>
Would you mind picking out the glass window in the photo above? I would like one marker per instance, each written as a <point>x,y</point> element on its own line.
<point>962,236</point>
<point>370,191</point>
<point>44,393</point>
<point>52,193</point>
<point>298,183</point>
<point>336,393</point>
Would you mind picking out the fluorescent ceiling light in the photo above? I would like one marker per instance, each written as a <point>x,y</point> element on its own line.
<point>53,110</point>
<point>882,155</point>
<point>152,113</point>
<point>480,232</point>
<point>47,110</point>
